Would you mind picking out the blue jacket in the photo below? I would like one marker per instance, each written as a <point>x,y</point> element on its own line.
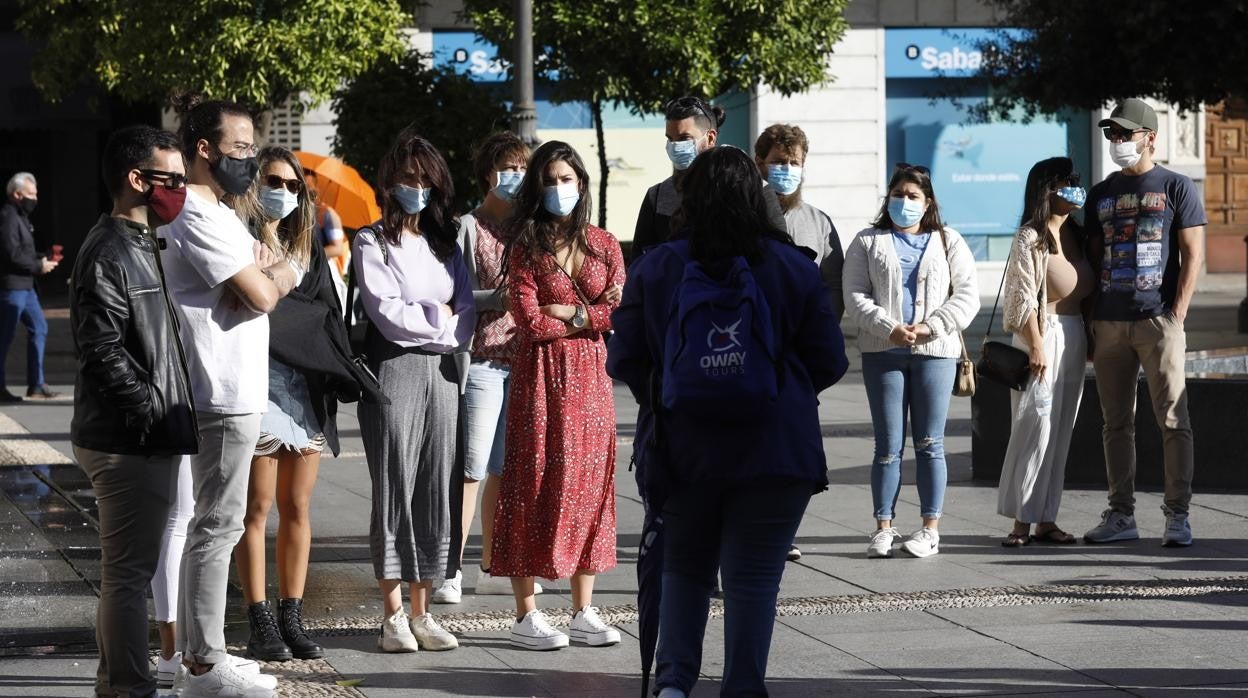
<point>674,448</point>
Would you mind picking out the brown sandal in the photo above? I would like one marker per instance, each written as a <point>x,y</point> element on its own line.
<point>1055,536</point>
<point>1016,540</point>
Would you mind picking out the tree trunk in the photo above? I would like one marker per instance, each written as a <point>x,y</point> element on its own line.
<point>603,169</point>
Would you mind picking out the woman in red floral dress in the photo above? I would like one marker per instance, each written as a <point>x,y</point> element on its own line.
<point>556,509</point>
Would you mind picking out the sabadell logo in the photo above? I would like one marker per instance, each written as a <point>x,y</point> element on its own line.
<point>956,59</point>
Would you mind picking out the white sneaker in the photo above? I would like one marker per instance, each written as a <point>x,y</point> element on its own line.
<point>243,664</point>
<point>672,692</point>
<point>924,542</point>
<point>451,590</point>
<point>1114,526</point>
<point>1178,531</point>
<point>533,632</point>
<point>489,585</point>
<point>396,636</point>
<point>589,629</point>
<point>431,636</point>
<point>246,667</point>
<point>224,680</point>
<point>882,542</point>
<point>167,670</point>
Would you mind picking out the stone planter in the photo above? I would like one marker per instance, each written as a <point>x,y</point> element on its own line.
<point>1217,385</point>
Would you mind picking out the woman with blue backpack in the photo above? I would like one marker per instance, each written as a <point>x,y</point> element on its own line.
<point>725,336</point>
<point>910,287</point>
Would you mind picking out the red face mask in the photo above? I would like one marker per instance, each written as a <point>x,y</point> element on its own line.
<point>166,203</point>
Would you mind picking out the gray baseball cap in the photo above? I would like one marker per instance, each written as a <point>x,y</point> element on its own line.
<point>1132,114</point>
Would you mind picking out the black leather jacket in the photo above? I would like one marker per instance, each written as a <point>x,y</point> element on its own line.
<point>133,393</point>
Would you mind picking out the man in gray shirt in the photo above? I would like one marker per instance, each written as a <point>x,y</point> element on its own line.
<point>780,153</point>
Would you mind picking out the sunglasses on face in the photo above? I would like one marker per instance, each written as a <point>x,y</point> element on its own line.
<point>275,182</point>
<point>917,169</point>
<point>1120,135</point>
<point>168,180</point>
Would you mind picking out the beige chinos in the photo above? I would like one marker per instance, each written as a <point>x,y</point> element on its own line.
<point>1158,345</point>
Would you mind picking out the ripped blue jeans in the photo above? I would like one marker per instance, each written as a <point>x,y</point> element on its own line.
<point>900,385</point>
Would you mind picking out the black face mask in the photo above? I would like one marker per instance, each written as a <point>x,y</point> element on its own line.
<point>28,205</point>
<point>235,175</point>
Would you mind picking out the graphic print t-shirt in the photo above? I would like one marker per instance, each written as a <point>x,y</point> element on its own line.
<point>1138,219</point>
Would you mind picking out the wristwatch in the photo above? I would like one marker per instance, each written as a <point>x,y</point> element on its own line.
<point>578,318</point>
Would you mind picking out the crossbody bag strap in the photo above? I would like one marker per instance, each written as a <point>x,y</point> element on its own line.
<point>1004,272</point>
<point>944,241</point>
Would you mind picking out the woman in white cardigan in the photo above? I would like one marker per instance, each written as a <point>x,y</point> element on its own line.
<point>910,287</point>
<point>1046,280</point>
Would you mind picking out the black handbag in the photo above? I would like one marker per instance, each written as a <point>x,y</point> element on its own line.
<point>1005,364</point>
<point>1000,362</point>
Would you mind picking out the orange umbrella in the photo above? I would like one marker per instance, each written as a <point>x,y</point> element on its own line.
<point>342,188</point>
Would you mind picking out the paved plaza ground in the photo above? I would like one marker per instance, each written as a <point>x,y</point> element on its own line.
<point>978,619</point>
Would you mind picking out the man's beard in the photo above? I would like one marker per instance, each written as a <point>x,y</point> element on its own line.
<point>788,202</point>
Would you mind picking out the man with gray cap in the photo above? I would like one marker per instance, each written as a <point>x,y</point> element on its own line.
<point>1145,226</point>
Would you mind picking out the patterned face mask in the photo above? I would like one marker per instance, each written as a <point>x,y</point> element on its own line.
<point>1073,195</point>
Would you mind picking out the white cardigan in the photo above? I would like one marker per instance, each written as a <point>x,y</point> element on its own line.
<point>873,291</point>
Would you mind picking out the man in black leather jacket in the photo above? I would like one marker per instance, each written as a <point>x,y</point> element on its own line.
<point>133,408</point>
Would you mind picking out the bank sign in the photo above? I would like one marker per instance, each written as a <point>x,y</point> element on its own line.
<point>935,53</point>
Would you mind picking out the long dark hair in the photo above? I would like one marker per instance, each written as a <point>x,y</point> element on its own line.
<point>412,153</point>
<point>533,230</point>
<point>721,206</point>
<point>1045,178</point>
<point>921,177</point>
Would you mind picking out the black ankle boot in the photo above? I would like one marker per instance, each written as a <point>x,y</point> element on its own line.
<point>265,642</point>
<point>290,616</point>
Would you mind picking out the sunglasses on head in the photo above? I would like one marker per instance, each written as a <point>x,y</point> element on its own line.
<point>917,169</point>
<point>168,180</point>
<point>273,181</point>
<point>690,103</point>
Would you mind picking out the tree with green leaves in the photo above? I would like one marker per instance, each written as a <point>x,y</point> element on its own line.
<point>639,54</point>
<point>1090,53</point>
<point>255,52</point>
<point>448,109</point>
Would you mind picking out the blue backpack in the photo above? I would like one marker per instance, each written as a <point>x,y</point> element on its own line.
<point>719,353</point>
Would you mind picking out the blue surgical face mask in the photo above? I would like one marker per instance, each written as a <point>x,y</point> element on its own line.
<point>785,179</point>
<point>277,203</point>
<point>507,183</point>
<point>411,199</point>
<point>1073,195</point>
<point>905,212</point>
<point>561,199</point>
<point>682,153</point>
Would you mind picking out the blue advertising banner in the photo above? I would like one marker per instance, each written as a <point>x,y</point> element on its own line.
<point>934,53</point>
<point>979,170</point>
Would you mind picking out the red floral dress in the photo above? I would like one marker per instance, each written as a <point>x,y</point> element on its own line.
<point>556,505</point>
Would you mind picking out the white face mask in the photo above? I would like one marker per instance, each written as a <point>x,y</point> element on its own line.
<point>1125,154</point>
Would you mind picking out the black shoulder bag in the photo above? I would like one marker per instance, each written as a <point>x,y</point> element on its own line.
<point>1000,362</point>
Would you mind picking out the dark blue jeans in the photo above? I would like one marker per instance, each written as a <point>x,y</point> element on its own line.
<point>743,530</point>
<point>22,305</point>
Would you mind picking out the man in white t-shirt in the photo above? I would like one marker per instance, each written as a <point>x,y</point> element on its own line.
<point>224,282</point>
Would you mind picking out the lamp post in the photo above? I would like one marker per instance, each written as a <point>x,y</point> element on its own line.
<point>523,112</point>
